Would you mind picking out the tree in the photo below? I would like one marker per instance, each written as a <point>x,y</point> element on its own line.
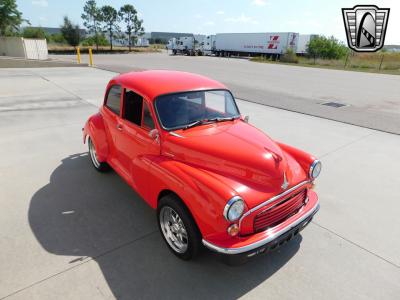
<point>34,33</point>
<point>110,17</point>
<point>92,19</point>
<point>10,17</point>
<point>71,32</point>
<point>134,26</point>
<point>328,48</point>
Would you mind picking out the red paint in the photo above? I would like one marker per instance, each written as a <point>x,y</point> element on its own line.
<point>206,165</point>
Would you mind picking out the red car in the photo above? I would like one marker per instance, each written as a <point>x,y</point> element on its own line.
<point>180,141</point>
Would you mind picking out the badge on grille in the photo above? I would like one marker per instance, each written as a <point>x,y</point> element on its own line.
<point>285,183</point>
<point>365,27</point>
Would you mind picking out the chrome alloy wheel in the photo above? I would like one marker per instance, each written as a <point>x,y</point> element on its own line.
<point>173,229</point>
<point>93,155</point>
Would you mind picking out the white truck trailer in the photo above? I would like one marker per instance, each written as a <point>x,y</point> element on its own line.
<point>267,43</point>
<point>304,40</point>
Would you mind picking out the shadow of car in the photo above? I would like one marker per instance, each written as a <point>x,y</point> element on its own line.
<point>84,214</point>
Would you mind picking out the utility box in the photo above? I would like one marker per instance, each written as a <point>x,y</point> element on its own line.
<point>25,48</point>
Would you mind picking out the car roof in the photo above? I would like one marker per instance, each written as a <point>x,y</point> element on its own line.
<point>151,84</point>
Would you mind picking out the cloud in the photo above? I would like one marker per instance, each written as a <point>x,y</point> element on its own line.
<point>259,2</point>
<point>220,12</point>
<point>242,19</point>
<point>198,16</point>
<point>209,23</point>
<point>42,3</point>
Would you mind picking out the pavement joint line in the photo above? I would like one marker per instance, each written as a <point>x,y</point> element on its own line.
<point>347,144</point>
<point>43,128</point>
<point>80,264</point>
<point>357,245</point>
<point>64,89</point>
<point>320,117</point>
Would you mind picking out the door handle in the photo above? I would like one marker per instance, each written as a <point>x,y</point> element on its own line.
<point>119,126</point>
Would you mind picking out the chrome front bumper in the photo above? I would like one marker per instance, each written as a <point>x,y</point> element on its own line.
<point>300,222</point>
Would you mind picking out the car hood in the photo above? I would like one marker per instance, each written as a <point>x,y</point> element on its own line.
<point>235,150</point>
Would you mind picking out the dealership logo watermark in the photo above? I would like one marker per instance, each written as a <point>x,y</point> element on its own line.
<point>365,27</point>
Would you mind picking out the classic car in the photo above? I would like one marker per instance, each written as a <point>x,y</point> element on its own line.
<point>179,140</point>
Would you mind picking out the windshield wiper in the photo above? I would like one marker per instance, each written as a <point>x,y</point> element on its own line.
<point>204,121</point>
<point>195,123</point>
<point>222,119</point>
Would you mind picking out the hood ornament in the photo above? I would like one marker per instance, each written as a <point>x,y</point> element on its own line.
<point>285,183</point>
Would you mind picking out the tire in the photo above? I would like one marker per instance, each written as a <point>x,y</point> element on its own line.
<point>178,228</point>
<point>99,166</point>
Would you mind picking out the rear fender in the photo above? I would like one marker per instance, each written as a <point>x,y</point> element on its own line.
<point>95,128</point>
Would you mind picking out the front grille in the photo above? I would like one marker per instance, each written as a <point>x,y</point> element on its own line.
<point>280,212</point>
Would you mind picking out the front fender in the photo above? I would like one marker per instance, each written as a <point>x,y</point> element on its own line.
<point>95,128</point>
<point>203,194</point>
<point>303,158</point>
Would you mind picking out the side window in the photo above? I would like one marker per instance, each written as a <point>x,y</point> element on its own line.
<point>133,107</point>
<point>113,99</point>
<point>147,119</point>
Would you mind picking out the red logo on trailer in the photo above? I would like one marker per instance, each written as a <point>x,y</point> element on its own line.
<point>273,42</point>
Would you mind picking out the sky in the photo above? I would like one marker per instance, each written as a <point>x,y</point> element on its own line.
<point>213,16</point>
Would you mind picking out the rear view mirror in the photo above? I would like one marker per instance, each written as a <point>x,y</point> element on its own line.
<point>246,119</point>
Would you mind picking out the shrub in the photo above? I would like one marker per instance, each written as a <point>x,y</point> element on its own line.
<point>33,33</point>
<point>327,48</point>
<point>91,41</point>
<point>290,57</point>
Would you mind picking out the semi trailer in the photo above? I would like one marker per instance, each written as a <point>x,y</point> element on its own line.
<point>304,40</point>
<point>265,43</point>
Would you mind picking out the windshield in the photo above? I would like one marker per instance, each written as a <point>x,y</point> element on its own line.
<point>182,109</point>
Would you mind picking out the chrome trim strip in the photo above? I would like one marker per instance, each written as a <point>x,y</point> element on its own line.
<point>228,206</point>
<point>175,134</point>
<point>314,163</point>
<point>263,241</point>
<point>272,200</point>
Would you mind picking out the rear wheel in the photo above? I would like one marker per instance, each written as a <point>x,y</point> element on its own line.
<point>178,228</point>
<point>99,166</point>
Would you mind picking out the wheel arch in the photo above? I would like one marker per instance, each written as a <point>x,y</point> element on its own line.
<point>95,129</point>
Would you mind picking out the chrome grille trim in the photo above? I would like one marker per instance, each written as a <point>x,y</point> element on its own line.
<point>270,200</point>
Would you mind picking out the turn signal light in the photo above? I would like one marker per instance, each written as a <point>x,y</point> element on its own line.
<point>233,230</point>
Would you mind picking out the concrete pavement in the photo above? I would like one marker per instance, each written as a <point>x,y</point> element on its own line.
<point>372,100</point>
<point>69,232</point>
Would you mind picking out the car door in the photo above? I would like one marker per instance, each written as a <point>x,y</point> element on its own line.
<point>111,114</point>
<point>136,147</point>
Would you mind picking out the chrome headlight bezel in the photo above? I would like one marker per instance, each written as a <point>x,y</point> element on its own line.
<point>315,166</point>
<point>236,200</point>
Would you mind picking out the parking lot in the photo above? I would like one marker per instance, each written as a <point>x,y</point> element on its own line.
<point>70,232</point>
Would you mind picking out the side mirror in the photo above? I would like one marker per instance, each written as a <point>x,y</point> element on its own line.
<point>154,135</point>
<point>246,119</point>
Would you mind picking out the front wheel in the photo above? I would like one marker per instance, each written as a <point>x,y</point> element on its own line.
<point>99,166</point>
<point>178,228</point>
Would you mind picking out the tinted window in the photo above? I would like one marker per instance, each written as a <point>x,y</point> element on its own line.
<point>147,119</point>
<point>113,99</point>
<point>133,107</point>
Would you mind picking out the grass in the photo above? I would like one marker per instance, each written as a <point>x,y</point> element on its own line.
<point>61,48</point>
<point>365,62</point>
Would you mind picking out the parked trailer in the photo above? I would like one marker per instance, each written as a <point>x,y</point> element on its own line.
<point>304,40</point>
<point>269,43</point>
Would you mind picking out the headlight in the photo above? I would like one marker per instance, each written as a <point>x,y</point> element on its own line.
<point>234,209</point>
<point>315,169</point>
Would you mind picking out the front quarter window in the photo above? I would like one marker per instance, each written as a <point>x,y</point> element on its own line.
<point>178,110</point>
